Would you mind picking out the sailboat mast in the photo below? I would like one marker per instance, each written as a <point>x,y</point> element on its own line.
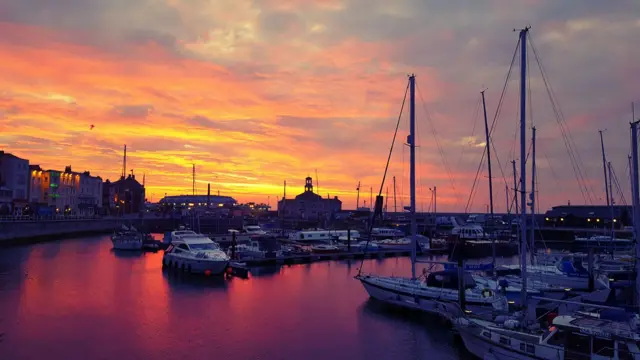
<point>611,203</point>
<point>371,198</point>
<point>358,196</point>
<point>386,201</point>
<point>523,167</point>
<point>604,168</point>
<point>124,162</point>
<point>395,204</point>
<point>533,195</point>
<point>636,203</point>
<point>515,186</point>
<point>486,133</point>
<point>412,172</point>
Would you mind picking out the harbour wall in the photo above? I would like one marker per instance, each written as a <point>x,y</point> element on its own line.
<point>29,231</point>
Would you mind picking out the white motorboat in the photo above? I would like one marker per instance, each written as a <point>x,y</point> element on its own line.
<point>195,253</point>
<point>252,250</point>
<point>579,336</point>
<point>127,239</point>
<point>254,230</point>
<point>386,233</point>
<point>325,249</point>
<point>404,243</point>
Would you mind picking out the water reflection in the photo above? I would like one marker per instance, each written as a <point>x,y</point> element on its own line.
<point>180,281</point>
<point>127,253</point>
<point>265,270</point>
<point>79,299</point>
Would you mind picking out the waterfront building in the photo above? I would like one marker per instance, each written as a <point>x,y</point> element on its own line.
<point>197,201</point>
<point>309,205</point>
<point>588,216</point>
<point>14,174</point>
<point>66,192</point>
<point>125,196</point>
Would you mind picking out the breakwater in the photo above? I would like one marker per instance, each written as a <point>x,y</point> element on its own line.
<point>18,231</point>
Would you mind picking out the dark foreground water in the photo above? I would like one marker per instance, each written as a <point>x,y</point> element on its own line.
<point>77,299</point>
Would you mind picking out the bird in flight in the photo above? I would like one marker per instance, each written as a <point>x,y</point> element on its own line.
<point>91,127</point>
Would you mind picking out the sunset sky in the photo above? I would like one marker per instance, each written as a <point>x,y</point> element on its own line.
<point>255,92</point>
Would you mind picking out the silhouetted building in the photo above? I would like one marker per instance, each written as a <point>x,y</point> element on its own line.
<point>125,196</point>
<point>588,216</point>
<point>197,201</point>
<point>309,205</point>
<point>14,175</point>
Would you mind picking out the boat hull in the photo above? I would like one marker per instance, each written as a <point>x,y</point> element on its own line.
<point>127,245</point>
<point>406,301</point>
<point>482,349</point>
<point>443,303</point>
<point>210,267</point>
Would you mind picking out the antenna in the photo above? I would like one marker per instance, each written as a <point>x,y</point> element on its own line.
<point>194,179</point>
<point>144,177</point>
<point>317,183</point>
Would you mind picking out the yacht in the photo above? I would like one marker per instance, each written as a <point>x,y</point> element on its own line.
<point>568,273</point>
<point>254,230</point>
<point>325,249</point>
<point>581,335</point>
<point>254,250</point>
<point>194,253</point>
<point>438,293</point>
<point>402,243</point>
<point>386,233</point>
<point>127,239</point>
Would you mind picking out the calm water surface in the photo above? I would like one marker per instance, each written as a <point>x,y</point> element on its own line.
<point>77,299</point>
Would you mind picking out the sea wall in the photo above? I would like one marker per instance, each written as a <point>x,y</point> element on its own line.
<point>25,231</point>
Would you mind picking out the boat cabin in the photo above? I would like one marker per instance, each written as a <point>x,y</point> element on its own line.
<point>593,338</point>
<point>472,232</point>
<point>448,279</point>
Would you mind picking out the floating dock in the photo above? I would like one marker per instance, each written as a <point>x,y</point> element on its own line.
<point>308,258</point>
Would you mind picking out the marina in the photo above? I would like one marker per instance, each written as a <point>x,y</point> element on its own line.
<point>300,181</point>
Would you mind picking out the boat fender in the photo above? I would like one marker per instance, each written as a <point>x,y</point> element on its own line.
<point>486,293</point>
<point>503,283</point>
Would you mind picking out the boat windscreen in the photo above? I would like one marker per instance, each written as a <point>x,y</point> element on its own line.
<point>205,246</point>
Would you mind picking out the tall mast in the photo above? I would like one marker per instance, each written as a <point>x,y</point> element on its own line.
<point>533,195</point>
<point>506,197</point>
<point>486,133</point>
<point>515,187</point>
<point>371,198</point>
<point>124,162</point>
<point>435,199</point>
<point>412,172</point>
<point>604,168</point>
<point>386,201</point>
<point>358,196</point>
<point>317,184</point>
<point>395,204</point>
<point>636,202</point>
<point>611,204</point>
<point>523,155</point>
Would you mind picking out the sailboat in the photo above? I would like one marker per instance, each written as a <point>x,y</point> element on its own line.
<point>600,332</point>
<point>438,292</point>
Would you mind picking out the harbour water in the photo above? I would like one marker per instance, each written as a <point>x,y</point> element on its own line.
<point>78,299</point>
